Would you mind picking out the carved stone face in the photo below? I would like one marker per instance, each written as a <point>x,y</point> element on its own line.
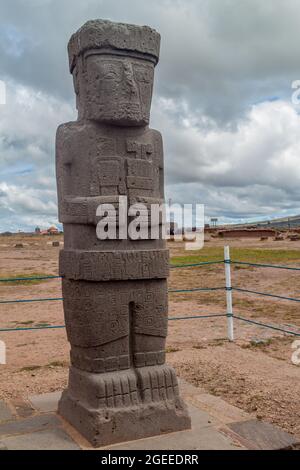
<point>118,90</point>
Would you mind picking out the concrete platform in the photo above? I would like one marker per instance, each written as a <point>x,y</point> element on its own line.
<point>32,423</point>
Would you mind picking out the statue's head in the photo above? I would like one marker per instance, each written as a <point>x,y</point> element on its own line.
<point>113,68</point>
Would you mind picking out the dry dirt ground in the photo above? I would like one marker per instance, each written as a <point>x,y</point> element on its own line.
<point>257,376</point>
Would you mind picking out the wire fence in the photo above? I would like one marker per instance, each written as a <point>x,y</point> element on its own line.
<point>228,288</point>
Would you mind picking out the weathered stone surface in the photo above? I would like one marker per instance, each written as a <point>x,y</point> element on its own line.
<point>5,413</point>
<point>107,426</point>
<point>263,436</point>
<point>217,407</point>
<point>107,35</point>
<point>3,446</point>
<point>23,408</point>
<point>115,290</point>
<point>107,266</point>
<point>27,425</point>
<point>50,439</point>
<point>204,435</point>
<point>46,402</point>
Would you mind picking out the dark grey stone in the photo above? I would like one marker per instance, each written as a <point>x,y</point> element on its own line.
<point>115,290</point>
<point>31,424</point>
<point>5,413</point>
<point>259,342</point>
<point>202,436</point>
<point>45,402</point>
<point>50,439</point>
<point>23,408</point>
<point>2,446</point>
<point>264,436</point>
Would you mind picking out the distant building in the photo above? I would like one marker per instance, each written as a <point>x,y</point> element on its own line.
<point>247,233</point>
<point>53,230</point>
<point>172,228</point>
<point>50,231</point>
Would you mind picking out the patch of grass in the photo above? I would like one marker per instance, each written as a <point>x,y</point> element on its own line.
<point>21,275</point>
<point>241,267</point>
<point>28,323</point>
<point>30,368</point>
<point>257,255</point>
<point>172,350</point>
<point>218,342</point>
<point>245,346</point>
<point>265,343</point>
<point>245,303</point>
<point>199,346</point>
<point>56,364</point>
<point>51,365</point>
<point>253,344</point>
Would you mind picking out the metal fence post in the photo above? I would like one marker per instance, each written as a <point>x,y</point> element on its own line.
<point>229,312</point>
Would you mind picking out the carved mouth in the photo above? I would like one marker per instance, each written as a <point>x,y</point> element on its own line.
<point>130,104</point>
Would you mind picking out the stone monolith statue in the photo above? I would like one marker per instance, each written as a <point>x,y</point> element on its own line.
<point>115,291</point>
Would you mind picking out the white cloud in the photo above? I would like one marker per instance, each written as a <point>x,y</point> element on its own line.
<point>28,124</point>
<point>222,101</point>
<point>253,168</point>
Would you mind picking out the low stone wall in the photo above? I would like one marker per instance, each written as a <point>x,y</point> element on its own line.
<point>245,233</point>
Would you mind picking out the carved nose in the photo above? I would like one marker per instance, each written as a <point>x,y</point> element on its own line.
<point>129,80</point>
<point>131,85</point>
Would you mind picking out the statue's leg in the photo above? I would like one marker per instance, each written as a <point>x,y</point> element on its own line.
<point>102,389</point>
<point>157,381</point>
<point>119,387</point>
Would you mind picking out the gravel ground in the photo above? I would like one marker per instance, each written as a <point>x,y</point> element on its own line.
<point>254,373</point>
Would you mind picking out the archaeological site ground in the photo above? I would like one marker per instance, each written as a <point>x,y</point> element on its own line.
<point>254,373</point>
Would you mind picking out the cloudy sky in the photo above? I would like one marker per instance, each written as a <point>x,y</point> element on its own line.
<point>222,101</point>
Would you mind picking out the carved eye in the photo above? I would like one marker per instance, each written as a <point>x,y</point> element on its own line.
<point>110,75</point>
<point>143,75</point>
<point>110,72</point>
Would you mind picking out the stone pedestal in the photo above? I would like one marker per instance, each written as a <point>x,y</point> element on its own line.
<point>114,287</point>
<point>125,405</point>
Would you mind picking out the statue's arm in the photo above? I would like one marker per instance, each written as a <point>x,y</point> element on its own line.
<point>160,153</point>
<point>74,208</point>
<point>63,168</point>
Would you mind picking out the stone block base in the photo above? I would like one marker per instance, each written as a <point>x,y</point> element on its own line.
<point>106,411</point>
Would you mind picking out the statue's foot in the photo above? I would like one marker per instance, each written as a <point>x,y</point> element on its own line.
<point>124,405</point>
<point>157,383</point>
